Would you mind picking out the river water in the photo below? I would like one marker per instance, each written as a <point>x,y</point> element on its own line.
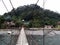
<point>8,39</point>
<point>50,39</point>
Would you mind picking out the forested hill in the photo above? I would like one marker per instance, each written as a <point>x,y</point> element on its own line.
<point>34,14</point>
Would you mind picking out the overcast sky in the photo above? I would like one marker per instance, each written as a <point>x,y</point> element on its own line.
<point>52,5</point>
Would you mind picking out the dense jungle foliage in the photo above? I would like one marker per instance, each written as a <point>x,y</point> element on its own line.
<point>33,16</point>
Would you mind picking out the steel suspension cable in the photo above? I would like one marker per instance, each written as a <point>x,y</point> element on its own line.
<point>43,27</point>
<point>11,4</point>
<point>37,2</point>
<point>13,7</point>
<point>4,5</point>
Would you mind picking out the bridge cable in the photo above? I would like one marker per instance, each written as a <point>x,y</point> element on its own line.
<point>43,27</point>
<point>5,5</point>
<point>12,7</point>
<point>11,4</point>
<point>37,2</point>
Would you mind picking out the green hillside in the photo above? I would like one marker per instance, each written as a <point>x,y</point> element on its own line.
<point>33,16</point>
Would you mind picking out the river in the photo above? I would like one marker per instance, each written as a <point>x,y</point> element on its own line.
<point>34,38</point>
<point>8,39</point>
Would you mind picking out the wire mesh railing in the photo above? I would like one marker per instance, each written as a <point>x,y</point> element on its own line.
<point>8,39</point>
<point>50,37</point>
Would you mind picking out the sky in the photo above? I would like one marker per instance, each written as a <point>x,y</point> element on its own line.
<point>52,5</point>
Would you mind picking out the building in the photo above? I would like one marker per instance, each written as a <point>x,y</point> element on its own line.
<point>10,24</point>
<point>48,26</point>
<point>58,24</point>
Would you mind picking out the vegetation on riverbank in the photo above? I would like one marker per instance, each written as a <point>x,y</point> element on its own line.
<point>33,16</point>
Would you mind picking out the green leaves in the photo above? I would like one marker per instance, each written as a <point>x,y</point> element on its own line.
<point>34,14</point>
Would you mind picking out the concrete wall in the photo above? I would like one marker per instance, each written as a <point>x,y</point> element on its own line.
<point>29,31</point>
<point>6,31</point>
